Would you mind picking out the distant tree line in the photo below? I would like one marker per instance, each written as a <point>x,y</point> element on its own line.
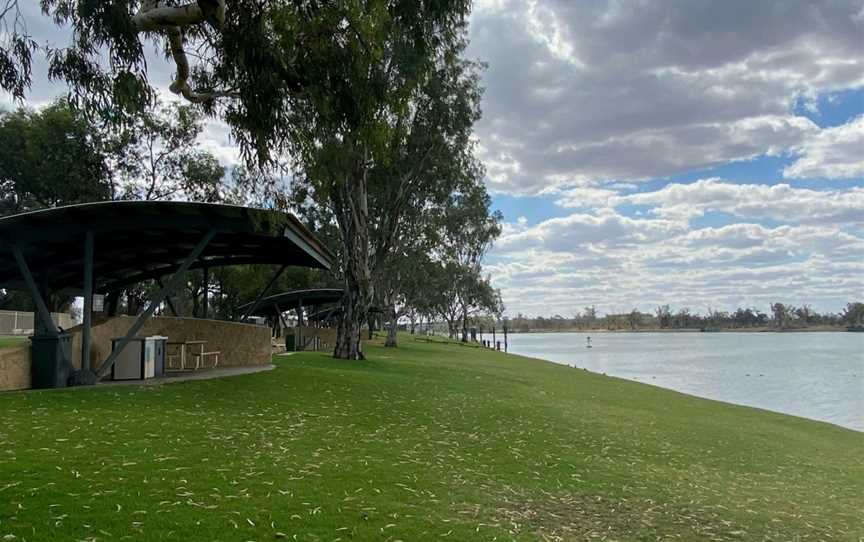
<point>778,316</point>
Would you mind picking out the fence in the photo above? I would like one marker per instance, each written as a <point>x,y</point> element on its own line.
<point>21,323</point>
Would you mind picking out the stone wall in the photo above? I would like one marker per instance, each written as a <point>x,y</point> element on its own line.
<point>15,367</point>
<point>240,345</point>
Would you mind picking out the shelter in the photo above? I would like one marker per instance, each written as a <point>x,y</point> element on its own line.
<point>301,336</point>
<point>277,304</point>
<point>107,246</point>
<point>334,313</point>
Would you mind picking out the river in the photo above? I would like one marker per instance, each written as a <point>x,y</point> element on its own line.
<point>812,375</point>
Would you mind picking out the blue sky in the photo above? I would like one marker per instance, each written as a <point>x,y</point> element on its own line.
<point>833,109</point>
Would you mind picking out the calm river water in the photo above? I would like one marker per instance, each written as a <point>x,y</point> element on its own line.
<point>813,375</point>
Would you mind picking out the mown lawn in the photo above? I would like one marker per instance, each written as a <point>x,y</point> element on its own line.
<point>12,341</point>
<point>424,442</point>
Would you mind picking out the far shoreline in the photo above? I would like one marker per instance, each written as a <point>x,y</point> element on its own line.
<point>814,329</point>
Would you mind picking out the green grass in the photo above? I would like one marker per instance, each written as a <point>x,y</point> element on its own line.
<point>6,342</point>
<point>425,442</point>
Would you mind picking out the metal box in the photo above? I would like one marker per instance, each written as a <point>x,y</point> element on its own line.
<point>129,364</point>
<point>143,358</point>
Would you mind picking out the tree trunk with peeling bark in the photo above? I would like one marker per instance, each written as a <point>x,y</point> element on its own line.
<point>464,324</point>
<point>351,210</point>
<point>392,326</point>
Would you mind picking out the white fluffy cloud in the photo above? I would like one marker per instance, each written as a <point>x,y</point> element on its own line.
<point>590,91</point>
<point>813,251</point>
<point>576,231</point>
<point>723,267</point>
<point>836,152</point>
<point>753,201</point>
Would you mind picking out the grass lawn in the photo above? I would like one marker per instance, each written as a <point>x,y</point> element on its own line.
<point>6,342</point>
<point>424,442</point>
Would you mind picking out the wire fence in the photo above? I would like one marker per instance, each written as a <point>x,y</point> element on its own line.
<point>22,323</point>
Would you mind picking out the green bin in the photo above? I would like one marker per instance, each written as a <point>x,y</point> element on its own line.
<point>289,342</point>
<point>51,360</point>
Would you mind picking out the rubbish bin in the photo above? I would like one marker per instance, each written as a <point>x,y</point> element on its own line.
<point>51,360</point>
<point>290,345</point>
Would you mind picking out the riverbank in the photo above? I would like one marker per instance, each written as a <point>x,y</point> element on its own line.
<point>427,441</point>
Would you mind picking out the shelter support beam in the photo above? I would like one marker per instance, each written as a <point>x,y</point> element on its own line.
<point>263,293</point>
<point>86,336</point>
<point>168,299</point>
<point>172,285</point>
<point>205,287</point>
<point>41,307</point>
<point>300,320</point>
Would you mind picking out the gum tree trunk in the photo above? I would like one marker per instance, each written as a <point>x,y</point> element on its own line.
<point>464,325</point>
<point>351,210</point>
<point>391,326</point>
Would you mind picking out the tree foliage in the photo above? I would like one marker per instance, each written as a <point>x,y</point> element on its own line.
<point>157,157</point>
<point>372,102</point>
<point>50,157</point>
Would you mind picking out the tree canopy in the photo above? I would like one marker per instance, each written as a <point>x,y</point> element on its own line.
<point>50,157</point>
<point>370,103</point>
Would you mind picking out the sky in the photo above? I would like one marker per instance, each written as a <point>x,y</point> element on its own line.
<point>692,153</point>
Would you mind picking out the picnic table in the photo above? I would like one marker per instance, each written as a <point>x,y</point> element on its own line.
<point>196,349</point>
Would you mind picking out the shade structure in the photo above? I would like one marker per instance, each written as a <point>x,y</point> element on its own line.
<point>334,313</point>
<point>293,299</point>
<point>136,241</point>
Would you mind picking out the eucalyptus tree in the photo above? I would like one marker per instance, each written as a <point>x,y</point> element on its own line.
<point>476,296</point>
<point>853,314</point>
<point>157,157</point>
<point>404,148</point>
<point>342,86</point>
<point>50,157</point>
<point>469,229</point>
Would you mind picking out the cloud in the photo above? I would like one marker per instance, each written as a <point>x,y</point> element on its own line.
<point>836,152</point>
<point>580,231</point>
<point>753,201</point>
<point>555,268</point>
<point>585,92</point>
<point>215,138</point>
<point>587,197</point>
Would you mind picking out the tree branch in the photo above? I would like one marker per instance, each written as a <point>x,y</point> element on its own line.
<point>154,17</point>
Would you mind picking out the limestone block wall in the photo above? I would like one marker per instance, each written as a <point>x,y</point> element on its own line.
<point>15,367</point>
<point>241,345</point>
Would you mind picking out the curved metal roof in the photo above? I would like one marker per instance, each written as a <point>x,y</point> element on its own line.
<point>336,312</point>
<point>292,300</point>
<point>141,240</point>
